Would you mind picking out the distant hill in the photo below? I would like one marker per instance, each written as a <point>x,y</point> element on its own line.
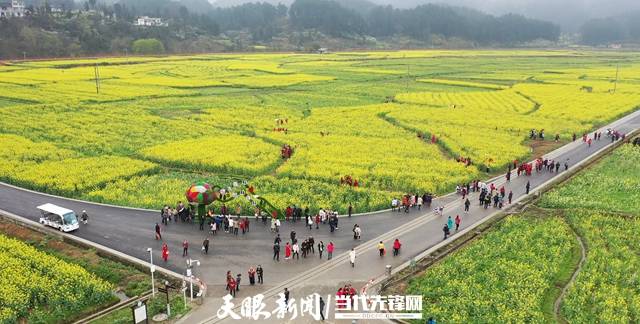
<point>197,6</point>
<point>570,14</point>
<point>193,26</point>
<point>358,5</point>
<point>231,3</point>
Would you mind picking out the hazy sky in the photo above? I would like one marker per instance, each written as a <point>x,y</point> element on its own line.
<point>568,13</point>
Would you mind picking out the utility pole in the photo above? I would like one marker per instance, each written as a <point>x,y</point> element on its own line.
<point>408,76</point>
<point>24,56</point>
<point>152,269</point>
<point>615,85</point>
<point>96,71</point>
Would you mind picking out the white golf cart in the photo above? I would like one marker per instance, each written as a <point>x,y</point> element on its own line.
<point>57,217</point>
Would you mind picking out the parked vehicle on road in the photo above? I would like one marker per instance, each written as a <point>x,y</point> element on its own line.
<point>58,217</point>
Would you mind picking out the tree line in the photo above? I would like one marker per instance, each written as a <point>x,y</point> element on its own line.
<point>96,27</point>
<point>604,31</point>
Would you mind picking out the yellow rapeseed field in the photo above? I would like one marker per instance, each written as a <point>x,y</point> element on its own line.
<point>166,121</point>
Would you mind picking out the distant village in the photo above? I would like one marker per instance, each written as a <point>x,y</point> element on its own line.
<point>17,9</point>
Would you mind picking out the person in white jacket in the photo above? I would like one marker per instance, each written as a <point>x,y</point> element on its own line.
<point>296,251</point>
<point>352,257</point>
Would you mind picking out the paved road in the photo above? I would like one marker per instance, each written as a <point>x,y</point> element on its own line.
<point>131,231</point>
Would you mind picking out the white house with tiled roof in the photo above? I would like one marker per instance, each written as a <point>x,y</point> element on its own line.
<point>13,8</point>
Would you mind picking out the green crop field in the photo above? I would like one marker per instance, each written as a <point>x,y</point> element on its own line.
<point>159,123</point>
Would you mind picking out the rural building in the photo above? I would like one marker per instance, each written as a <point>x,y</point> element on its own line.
<point>13,8</point>
<point>150,22</point>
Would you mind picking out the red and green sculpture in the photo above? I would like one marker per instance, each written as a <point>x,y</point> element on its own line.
<point>202,194</point>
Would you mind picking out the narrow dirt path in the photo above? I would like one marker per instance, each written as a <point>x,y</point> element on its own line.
<point>556,306</point>
<point>393,122</point>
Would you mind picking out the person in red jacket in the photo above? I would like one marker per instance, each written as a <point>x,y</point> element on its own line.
<point>287,251</point>
<point>231,283</point>
<point>165,252</point>
<point>339,296</point>
<point>396,247</point>
<point>288,212</point>
<point>185,248</point>
<point>329,250</point>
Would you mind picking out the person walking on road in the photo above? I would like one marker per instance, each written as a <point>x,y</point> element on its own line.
<point>260,274</point>
<point>320,248</point>
<point>396,247</point>
<point>528,186</point>
<point>467,203</point>
<point>310,222</point>
<point>165,252</point>
<point>84,218</point>
<point>231,283</point>
<point>158,235</point>
<point>352,257</point>
<point>292,235</point>
<point>330,250</point>
<point>458,220</point>
<point>252,276</point>
<point>510,196</point>
<point>350,209</point>
<point>445,229</point>
<point>185,248</point>
<point>287,251</point>
<point>381,248</point>
<point>205,246</point>
<point>357,232</point>
<point>322,308</point>
<point>286,297</point>
<point>296,251</point>
<point>450,223</point>
<point>276,251</point>
<point>214,227</point>
<point>312,245</point>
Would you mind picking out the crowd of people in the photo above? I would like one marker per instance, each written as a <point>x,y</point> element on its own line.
<point>181,211</point>
<point>233,283</point>
<point>349,181</point>
<point>408,201</point>
<point>293,250</point>
<point>345,293</point>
